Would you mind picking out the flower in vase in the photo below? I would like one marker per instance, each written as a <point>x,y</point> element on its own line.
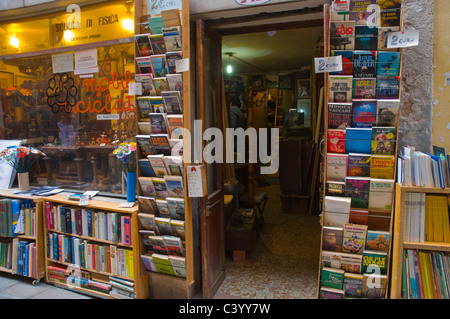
<point>126,153</point>
<point>21,158</point>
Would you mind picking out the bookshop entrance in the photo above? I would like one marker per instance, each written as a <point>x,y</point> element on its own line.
<point>272,229</point>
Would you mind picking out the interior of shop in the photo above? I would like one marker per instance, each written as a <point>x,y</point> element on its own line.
<point>270,72</point>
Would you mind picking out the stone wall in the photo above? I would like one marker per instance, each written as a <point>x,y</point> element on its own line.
<point>415,126</point>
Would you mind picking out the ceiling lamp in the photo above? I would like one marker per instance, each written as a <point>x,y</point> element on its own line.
<point>14,41</point>
<point>229,68</point>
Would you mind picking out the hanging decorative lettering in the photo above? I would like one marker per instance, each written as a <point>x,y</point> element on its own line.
<point>61,92</point>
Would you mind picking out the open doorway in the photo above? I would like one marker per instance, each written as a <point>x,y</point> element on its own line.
<point>272,81</point>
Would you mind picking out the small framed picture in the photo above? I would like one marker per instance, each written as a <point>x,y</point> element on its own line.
<point>257,81</point>
<point>285,82</point>
<point>304,88</point>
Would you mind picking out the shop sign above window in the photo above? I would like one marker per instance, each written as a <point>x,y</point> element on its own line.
<point>251,2</point>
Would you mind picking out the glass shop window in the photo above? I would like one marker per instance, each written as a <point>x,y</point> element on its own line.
<point>76,119</point>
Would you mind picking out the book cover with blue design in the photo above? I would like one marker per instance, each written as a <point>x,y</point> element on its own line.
<point>365,63</point>
<point>388,87</point>
<point>388,63</point>
<point>358,140</point>
<point>364,112</point>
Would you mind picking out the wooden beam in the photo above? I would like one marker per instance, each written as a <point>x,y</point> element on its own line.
<point>270,27</point>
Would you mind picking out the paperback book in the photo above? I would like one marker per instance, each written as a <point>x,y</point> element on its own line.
<point>378,240</point>
<point>148,88</point>
<point>161,85</point>
<point>388,63</point>
<point>387,112</point>
<point>364,113</point>
<point>364,64</point>
<point>383,140</point>
<point>158,123</point>
<point>336,167</point>
<point>336,141</point>
<point>354,239</point>
<point>172,102</point>
<point>171,58</point>
<point>366,37</point>
<point>358,165</point>
<point>374,262</point>
<point>339,115</point>
<point>172,38</point>
<point>364,88</point>
<point>159,185</point>
<point>347,62</point>
<point>333,188</point>
<point>388,87</point>
<point>390,17</point>
<point>157,43</point>
<point>332,238</point>
<point>143,44</point>
<point>161,144</point>
<point>381,194</point>
<point>144,64</point>
<point>174,185</point>
<point>382,166</point>
<point>342,35</point>
<point>340,88</point>
<point>159,65</point>
<point>358,188</point>
<point>358,140</point>
<point>158,164</point>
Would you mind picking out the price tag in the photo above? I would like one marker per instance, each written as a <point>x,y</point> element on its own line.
<point>135,88</point>
<point>328,64</point>
<point>84,200</point>
<point>402,39</point>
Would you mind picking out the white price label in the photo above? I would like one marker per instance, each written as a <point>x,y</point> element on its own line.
<point>328,64</point>
<point>403,39</point>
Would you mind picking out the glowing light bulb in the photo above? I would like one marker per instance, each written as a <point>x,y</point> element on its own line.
<point>229,69</point>
<point>68,35</point>
<point>14,41</point>
<point>127,25</point>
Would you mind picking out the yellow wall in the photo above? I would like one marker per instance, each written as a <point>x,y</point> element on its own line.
<point>441,98</point>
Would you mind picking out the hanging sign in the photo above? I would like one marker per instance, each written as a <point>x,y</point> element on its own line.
<point>251,2</point>
<point>403,39</point>
<point>196,180</point>
<point>328,64</point>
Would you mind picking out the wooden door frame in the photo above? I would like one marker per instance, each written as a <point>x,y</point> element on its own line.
<point>207,203</point>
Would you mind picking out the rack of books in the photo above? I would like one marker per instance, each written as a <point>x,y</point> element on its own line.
<point>93,248</point>
<point>421,251</point>
<point>21,240</point>
<point>164,112</point>
<point>361,126</point>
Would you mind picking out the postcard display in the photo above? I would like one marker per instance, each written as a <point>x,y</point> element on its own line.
<point>361,126</point>
<point>161,180</point>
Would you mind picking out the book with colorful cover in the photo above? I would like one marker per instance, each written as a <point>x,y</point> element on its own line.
<point>163,264</point>
<point>174,165</point>
<point>158,123</point>
<point>174,245</point>
<point>332,278</point>
<point>383,140</point>
<point>179,265</point>
<point>171,58</point>
<point>390,17</point>
<point>336,141</point>
<point>144,64</point>
<point>340,88</point>
<point>381,194</point>
<point>331,259</point>
<point>148,87</point>
<point>364,113</point>
<point>388,87</point>
<point>353,284</point>
<point>146,168</point>
<point>175,126</point>
<point>175,82</point>
<point>359,11</point>
<point>336,167</point>
<point>158,164</point>
<point>366,37</point>
<point>358,140</point>
<point>364,64</point>
<point>382,166</point>
<point>331,293</point>
<point>333,188</point>
<point>144,144</point>
<point>159,65</point>
<point>347,62</point>
<point>161,85</point>
<point>364,88</point>
<point>160,143</point>
<point>374,262</point>
<point>354,240</point>
<point>159,184</point>
<point>339,115</point>
<point>163,209</point>
<point>174,185</point>
<point>374,286</point>
<point>176,207</point>
<point>387,112</point>
<point>358,165</point>
<point>155,22</point>
<point>388,63</point>
<point>147,205</point>
<point>351,263</point>
<point>143,44</point>
<point>389,4</point>
<point>144,106</point>
<point>358,188</point>
<point>172,38</point>
<point>146,185</point>
<point>172,102</point>
<point>158,44</point>
<point>378,240</point>
<point>332,238</point>
<point>342,35</point>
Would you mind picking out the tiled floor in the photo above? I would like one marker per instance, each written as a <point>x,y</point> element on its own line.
<point>282,265</point>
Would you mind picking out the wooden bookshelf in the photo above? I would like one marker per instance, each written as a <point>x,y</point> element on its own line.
<point>38,238</point>
<point>104,205</point>
<point>163,286</point>
<point>398,232</point>
<point>387,214</point>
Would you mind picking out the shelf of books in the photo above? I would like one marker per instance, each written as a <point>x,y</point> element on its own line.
<point>164,112</point>
<point>421,251</point>
<point>21,239</point>
<point>361,126</point>
<point>93,248</point>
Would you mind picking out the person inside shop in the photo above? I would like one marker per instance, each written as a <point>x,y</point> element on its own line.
<point>10,128</point>
<point>237,117</point>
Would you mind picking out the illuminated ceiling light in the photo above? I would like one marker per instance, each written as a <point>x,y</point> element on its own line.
<point>229,68</point>
<point>68,35</point>
<point>128,25</point>
<point>14,41</point>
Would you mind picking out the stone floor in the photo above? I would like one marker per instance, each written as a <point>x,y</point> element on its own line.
<point>284,263</point>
